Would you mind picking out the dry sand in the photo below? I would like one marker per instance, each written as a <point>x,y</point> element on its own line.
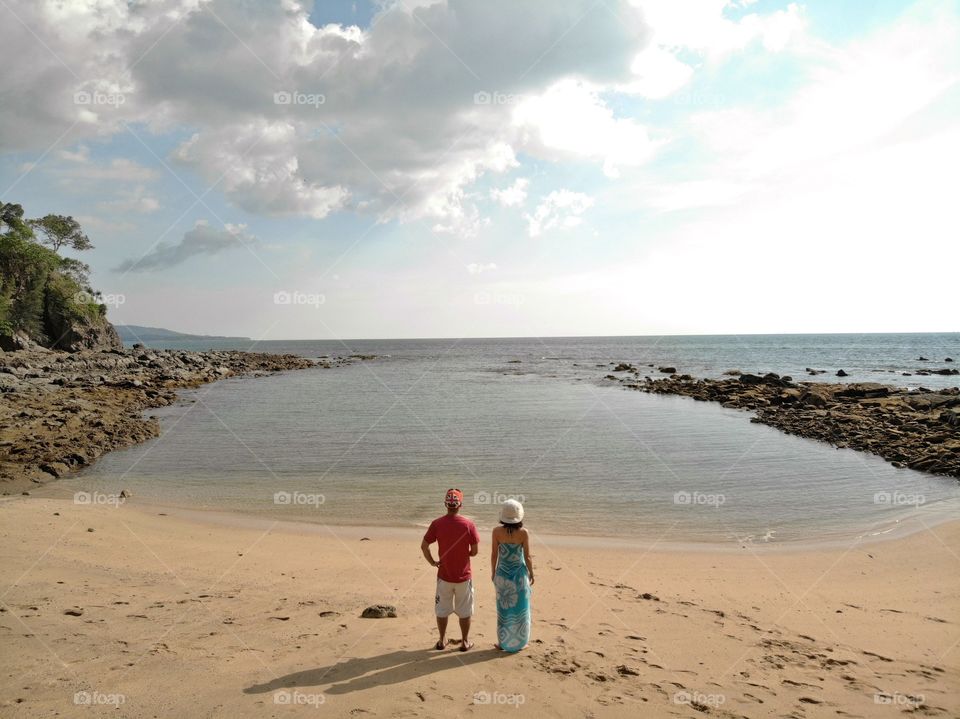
<point>181,616</point>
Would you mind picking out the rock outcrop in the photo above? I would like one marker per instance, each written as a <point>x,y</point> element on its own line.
<point>61,411</point>
<point>919,429</point>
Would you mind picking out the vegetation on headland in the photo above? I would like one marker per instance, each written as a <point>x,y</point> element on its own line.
<point>45,298</point>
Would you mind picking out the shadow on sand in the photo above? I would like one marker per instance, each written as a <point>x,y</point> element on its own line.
<point>392,668</point>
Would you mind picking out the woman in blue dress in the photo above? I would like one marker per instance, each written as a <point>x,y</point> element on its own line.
<point>512,577</point>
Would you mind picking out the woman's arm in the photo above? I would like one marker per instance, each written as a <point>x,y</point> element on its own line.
<point>526,554</point>
<point>494,553</point>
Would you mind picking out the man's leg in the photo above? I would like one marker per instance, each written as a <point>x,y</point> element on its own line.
<point>465,607</point>
<point>444,606</point>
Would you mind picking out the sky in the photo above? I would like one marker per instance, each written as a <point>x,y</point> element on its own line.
<point>417,168</point>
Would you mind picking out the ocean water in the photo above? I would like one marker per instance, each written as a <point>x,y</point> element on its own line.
<point>379,441</point>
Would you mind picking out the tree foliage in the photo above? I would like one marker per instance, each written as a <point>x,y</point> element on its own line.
<point>36,282</point>
<point>58,231</point>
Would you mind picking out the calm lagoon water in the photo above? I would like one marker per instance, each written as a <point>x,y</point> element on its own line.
<point>379,441</point>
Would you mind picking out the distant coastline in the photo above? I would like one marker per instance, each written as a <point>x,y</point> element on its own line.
<point>131,334</point>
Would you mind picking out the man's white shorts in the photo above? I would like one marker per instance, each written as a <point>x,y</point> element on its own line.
<point>455,598</point>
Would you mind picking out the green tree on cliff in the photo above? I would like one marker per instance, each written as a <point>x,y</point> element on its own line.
<point>36,284</point>
<point>56,231</point>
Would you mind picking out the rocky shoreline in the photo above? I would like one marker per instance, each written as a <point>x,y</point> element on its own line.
<point>61,411</point>
<point>919,429</point>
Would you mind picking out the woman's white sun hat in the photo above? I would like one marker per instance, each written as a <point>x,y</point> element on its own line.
<point>511,512</point>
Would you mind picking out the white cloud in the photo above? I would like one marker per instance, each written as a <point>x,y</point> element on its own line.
<point>657,73</point>
<point>704,27</point>
<point>397,134</point>
<point>560,209</point>
<point>136,200</point>
<point>513,195</point>
<point>120,169</point>
<point>570,120</point>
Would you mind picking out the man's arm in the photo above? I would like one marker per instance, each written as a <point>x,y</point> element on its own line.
<point>425,548</point>
<point>474,549</point>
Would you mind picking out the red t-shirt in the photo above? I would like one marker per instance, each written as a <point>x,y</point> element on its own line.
<point>454,534</point>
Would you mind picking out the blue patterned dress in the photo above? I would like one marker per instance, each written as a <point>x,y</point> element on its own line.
<point>513,598</point>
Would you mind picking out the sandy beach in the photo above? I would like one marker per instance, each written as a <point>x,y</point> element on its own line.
<point>138,611</point>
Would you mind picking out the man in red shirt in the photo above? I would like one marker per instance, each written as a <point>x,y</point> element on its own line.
<point>458,541</point>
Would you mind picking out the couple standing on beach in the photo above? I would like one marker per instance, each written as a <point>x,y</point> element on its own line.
<point>510,567</point>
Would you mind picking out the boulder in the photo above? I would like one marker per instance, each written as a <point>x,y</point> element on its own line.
<point>74,335</point>
<point>667,370</point>
<point>379,611</point>
<point>864,389</point>
<point>841,373</point>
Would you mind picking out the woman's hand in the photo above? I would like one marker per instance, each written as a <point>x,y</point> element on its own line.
<point>531,580</point>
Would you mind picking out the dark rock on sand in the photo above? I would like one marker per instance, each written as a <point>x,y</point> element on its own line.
<point>379,611</point>
<point>841,373</point>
